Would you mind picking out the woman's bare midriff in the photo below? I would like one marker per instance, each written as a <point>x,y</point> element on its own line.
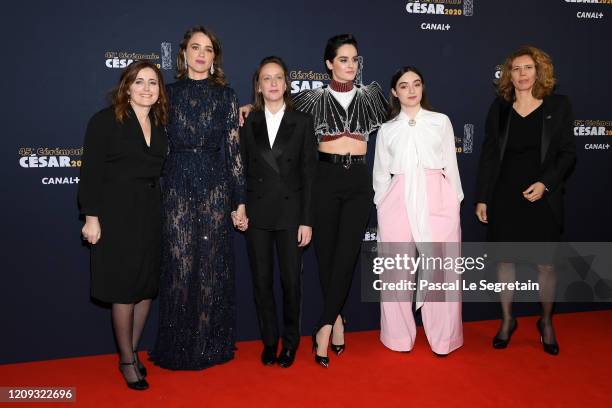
<point>344,145</point>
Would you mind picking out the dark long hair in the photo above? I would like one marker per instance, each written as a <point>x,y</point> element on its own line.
<point>182,70</point>
<point>121,101</point>
<point>394,103</point>
<point>337,41</point>
<point>258,100</point>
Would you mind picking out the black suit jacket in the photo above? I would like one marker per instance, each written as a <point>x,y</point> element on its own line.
<point>558,149</point>
<point>279,177</point>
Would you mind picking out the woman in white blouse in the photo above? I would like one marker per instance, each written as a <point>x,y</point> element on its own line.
<point>417,195</point>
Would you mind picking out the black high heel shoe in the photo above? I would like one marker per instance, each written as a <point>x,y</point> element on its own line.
<point>339,348</point>
<point>139,385</point>
<point>550,348</point>
<point>139,365</point>
<point>320,360</point>
<point>499,343</point>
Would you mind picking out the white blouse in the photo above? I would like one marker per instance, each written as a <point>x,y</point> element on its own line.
<point>409,150</point>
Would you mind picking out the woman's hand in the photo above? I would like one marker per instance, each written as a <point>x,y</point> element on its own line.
<point>481,212</point>
<point>535,191</point>
<point>243,113</point>
<point>304,235</point>
<point>239,218</point>
<point>91,230</point>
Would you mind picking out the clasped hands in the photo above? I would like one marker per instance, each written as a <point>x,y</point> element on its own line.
<point>239,218</point>
<point>241,223</point>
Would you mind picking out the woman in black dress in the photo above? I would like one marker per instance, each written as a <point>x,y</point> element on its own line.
<point>119,197</point>
<point>202,183</point>
<point>527,155</point>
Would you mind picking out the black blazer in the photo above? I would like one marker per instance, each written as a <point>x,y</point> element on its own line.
<point>279,178</point>
<point>558,150</point>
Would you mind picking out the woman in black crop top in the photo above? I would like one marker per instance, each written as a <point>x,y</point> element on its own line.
<point>344,115</point>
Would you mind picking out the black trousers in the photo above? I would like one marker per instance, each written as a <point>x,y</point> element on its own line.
<point>260,245</point>
<point>342,204</point>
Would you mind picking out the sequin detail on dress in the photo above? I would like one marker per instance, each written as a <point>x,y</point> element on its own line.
<point>202,182</point>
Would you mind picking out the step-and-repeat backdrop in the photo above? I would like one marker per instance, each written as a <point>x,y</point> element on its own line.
<point>62,57</point>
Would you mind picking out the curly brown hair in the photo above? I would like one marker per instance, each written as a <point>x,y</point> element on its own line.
<point>121,100</point>
<point>182,70</point>
<point>545,76</point>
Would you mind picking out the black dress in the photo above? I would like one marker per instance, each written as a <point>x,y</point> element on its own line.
<point>202,183</point>
<point>120,185</point>
<point>512,218</point>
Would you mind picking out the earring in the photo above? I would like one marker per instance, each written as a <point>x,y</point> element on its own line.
<point>212,69</point>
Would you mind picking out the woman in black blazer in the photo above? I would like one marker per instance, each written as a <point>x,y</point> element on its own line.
<point>527,154</point>
<point>119,196</point>
<point>278,148</point>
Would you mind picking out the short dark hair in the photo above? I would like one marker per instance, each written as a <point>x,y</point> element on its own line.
<point>337,41</point>
<point>394,103</point>
<point>258,100</point>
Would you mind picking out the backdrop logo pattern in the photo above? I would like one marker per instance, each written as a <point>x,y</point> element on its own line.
<point>468,138</point>
<point>51,158</point>
<point>121,59</point>
<point>303,80</point>
<point>594,128</point>
<point>441,7</point>
<point>454,8</point>
<point>595,14</point>
<point>497,73</point>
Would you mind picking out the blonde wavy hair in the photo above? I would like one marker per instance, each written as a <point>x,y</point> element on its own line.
<point>545,76</point>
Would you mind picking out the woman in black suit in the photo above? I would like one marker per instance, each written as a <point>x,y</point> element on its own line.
<point>119,196</point>
<point>527,154</point>
<point>278,148</point>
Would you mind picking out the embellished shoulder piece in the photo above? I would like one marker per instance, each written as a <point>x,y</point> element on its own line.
<point>364,115</point>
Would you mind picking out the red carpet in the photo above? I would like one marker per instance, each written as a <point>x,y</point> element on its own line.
<point>366,375</point>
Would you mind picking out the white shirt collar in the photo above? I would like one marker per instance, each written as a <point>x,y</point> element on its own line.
<point>404,116</point>
<point>271,115</point>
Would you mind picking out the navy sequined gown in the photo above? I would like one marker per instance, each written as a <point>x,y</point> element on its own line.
<point>201,184</point>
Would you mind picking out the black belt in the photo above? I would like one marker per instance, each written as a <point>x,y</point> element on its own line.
<point>345,160</point>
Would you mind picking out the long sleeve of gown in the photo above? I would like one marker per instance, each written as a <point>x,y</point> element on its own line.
<point>234,160</point>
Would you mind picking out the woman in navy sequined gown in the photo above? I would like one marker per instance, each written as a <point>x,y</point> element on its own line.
<point>202,183</point>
